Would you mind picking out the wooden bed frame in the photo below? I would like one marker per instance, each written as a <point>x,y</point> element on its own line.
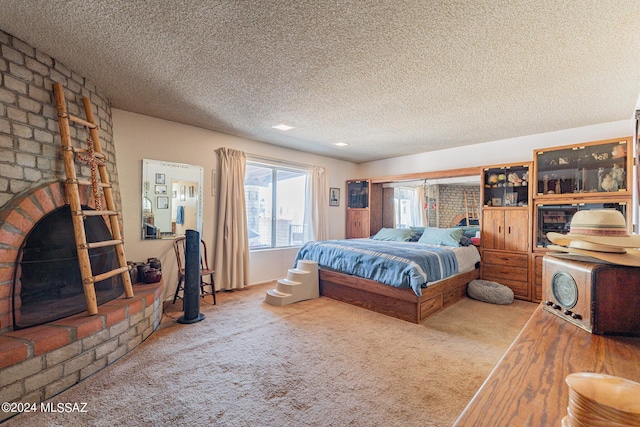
<point>401,303</point>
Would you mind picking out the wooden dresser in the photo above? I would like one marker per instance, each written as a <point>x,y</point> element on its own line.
<point>527,387</point>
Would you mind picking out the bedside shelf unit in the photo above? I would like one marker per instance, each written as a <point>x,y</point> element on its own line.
<point>364,208</point>
<point>506,227</point>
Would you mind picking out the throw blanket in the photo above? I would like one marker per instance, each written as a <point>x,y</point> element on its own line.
<point>400,264</point>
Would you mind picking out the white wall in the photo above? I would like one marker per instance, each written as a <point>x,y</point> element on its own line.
<point>138,137</point>
<point>497,152</point>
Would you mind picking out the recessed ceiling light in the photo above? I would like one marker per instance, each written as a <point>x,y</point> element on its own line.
<point>340,144</point>
<point>282,126</point>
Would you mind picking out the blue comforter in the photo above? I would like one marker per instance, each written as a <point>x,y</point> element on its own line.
<point>400,264</point>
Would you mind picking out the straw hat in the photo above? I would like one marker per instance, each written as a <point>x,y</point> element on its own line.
<point>599,234</point>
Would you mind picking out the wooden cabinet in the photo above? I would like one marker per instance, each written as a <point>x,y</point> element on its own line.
<point>567,179</point>
<point>364,208</point>
<point>357,223</point>
<point>505,249</point>
<point>506,227</point>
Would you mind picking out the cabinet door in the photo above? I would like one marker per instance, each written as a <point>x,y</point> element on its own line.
<point>357,223</point>
<point>493,229</point>
<point>516,230</point>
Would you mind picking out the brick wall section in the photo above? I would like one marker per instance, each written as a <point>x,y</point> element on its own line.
<point>30,151</point>
<point>451,202</point>
<point>38,363</point>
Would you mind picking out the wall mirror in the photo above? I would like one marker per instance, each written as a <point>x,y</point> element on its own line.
<point>171,199</point>
<point>444,199</point>
<point>440,202</point>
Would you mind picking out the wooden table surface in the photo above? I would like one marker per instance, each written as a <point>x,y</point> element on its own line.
<point>528,388</point>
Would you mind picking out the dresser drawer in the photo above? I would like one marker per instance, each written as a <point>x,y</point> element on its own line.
<point>515,278</point>
<point>506,273</point>
<point>510,259</point>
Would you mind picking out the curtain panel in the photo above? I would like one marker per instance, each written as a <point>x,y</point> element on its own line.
<point>317,204</point>
<point>231,260</point>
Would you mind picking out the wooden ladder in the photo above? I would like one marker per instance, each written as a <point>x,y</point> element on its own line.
<point>474,208</point>
<point>94,156</point>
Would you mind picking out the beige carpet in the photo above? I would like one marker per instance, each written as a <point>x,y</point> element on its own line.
<point>314,363</point>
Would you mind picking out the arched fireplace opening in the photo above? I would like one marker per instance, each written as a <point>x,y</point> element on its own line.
<point>47,283</point>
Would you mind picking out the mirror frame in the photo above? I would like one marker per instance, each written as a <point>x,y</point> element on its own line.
<point>450,173</point>
<point>434,177</point>
<point>163,173</point>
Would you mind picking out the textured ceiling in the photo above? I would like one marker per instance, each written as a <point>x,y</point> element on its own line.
<point>389,78</point>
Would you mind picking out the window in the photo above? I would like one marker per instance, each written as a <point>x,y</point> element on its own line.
<point>276,198</point>
<point>408,207</point>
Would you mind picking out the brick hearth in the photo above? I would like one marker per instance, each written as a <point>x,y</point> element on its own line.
<point>39,362</point>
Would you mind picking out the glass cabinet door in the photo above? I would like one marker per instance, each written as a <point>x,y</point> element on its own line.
<point>588,168</point>
<point>557,217</point>
<point>358,194</point>
<point>506,186</point>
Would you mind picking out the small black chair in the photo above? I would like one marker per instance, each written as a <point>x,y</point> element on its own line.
<point>179,245</point>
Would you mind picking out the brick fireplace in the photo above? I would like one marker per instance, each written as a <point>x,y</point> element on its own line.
<point>39,362</point>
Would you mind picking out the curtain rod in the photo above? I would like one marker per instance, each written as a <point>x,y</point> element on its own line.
<point>256,157</point>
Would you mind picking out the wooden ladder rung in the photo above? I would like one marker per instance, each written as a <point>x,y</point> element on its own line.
<point>100,184</point>
<point>106,275</point>
<point>82,122</point>
<point>102,244</point>
<point>99,213</point>
<point>84,150</point>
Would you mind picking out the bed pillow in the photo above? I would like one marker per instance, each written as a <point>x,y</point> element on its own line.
<point>441,236</point>
<point>394,234</point>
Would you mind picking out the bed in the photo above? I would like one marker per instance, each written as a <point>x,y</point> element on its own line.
<point>399,277</point>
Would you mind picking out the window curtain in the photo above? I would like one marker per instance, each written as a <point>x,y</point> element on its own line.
<point>418,208</point>
<point>409,207</point>
<point>317,205</point>
<point>231,260</point>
